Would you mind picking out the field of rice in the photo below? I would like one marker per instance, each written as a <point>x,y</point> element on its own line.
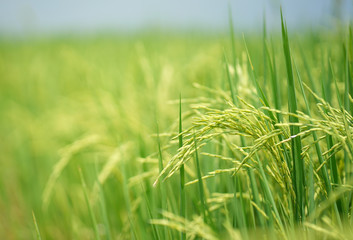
<point>177,136</point>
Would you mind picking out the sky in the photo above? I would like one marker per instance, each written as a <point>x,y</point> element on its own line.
<point>90,16</point>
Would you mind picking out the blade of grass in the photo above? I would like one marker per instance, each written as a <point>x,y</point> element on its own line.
<point>150,214</point>
<point>236,213</point>
<point>298,164</point>
<point>255,194</point>
<point>342,203</point>
<point>335,178</point>
<point>276,92</point>
<point>242,209</point>
<point>39,237</point>
<point>230,82</point>
<point>348,79</point>
<point>160,157</point>
<point>103,206</point>
<point>232,86</point>
<point>311,188</point>
<point>347,93</point>
<point>348,104</point>
<point>200,185</point>
<point>259,90</point>
<point>161,186</point>
<point>269,196</point>
<point>182,172</point>
<point>338,206</point>
<point>239,211</point>
<point>323,170</point>
<point>127,200</point>
<point>90,210</point>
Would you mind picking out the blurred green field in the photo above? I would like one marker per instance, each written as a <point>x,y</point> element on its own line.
<point>109,91</point>
<point>109,107</point>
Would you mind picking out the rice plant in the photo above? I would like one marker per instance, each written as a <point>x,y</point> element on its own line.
<point>234,137</point>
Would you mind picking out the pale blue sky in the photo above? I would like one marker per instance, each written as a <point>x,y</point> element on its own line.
<point>45,16</point>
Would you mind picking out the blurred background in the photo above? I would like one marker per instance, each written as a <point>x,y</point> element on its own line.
<point>23,17</point>
<point>93,101</point>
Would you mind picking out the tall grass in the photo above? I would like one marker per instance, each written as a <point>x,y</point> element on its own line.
<point>260,144</point>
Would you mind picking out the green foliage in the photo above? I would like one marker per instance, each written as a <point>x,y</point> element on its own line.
<point>260,146</point>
